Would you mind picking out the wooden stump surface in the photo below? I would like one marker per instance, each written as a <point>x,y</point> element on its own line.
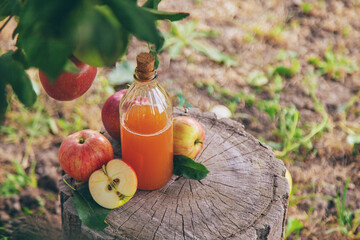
<point>245,195</point>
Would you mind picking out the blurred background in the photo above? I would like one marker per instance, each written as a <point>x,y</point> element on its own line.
<point>287,70</point>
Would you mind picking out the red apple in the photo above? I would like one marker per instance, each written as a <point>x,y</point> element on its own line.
<point>83,152</point>
<point>189,136</point>
<point>114,184</point>
<point>69,86</point>
<point>110,114</point>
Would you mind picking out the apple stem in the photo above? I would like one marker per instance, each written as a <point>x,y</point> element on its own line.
<point>68,184</point>
<point>81,140</point>
<point>198,141</point>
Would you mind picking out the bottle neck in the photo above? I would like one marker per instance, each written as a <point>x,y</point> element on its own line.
<point>145,76</point>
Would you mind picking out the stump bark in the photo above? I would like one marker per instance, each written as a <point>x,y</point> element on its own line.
<point>245,195</point>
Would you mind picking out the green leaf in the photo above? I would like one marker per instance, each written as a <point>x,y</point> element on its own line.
<point>90,213</point>
<point>295,68</point>
<point>137,21</point>
<point>189,168</point>
<point>293,225</point>
<point>20,57</point>
<point>278,83</point>
<point>156,63</point>
<point>257,78</point>
<point>71,67</point>
<point>101,40</point>
<point>160,15</point>
<point>330,56</point>
<point>213,53</point>
<point>283,71</point>
<point>3,101</point>
<point>9,8</point>
<point>176,49</point>
<point>12,72</point>
<point>47,32</point>
<point>152,4</point>
<point>314,60</point>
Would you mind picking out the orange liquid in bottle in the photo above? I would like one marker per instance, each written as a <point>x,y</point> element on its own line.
<point>147,145</point>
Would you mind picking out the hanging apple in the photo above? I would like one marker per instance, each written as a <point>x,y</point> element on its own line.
<point>69,86</point>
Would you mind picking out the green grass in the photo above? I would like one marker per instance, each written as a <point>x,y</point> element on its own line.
<point>352,129</point>
<point>306,7</point>
<point>73,123</point>
<point>27,123</point>
<point>293,226</point>
<point>348,221</point>
<point>3,237</point>
<point>18,180</point>
<point>273,34</point>
<point>293,136</point>
<point>182,101</point>
<point>335,66</point>
<point>182,36</point>
<point>290,133</point>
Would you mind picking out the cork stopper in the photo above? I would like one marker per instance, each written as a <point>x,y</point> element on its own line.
<point>145,66</point>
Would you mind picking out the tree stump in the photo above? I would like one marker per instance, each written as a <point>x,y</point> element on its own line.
<point>245,195</point>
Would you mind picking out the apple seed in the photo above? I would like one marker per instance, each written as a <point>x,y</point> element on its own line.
<point>121,196</point>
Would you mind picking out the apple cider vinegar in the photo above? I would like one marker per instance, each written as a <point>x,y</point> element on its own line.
<point>146,127</point>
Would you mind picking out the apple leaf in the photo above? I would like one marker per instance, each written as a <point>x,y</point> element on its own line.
<point>160,15</point>
<point>9,8</point>
<point>90,213</point>
<point>187,167</point>
<point>101,39</point>
<point>3,102</point>
<point>156,63</point>
<point>46,33</point>
<point>12,72</point>
<point>137,21</point>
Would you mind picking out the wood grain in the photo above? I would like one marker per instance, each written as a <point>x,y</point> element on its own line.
<point>245,195</point>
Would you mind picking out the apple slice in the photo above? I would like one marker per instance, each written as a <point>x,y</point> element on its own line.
<point>114,184</point>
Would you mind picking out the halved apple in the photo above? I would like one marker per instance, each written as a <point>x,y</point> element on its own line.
<point>114,184</point>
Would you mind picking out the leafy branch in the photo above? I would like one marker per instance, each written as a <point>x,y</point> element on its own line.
<point>49,33</point>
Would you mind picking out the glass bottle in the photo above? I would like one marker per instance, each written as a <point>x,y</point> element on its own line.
<point>146,127</point>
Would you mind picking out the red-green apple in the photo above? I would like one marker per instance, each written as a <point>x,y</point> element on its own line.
<point>69,86</point>
<point>189,136</point>
<point>83,152</point>
<point>110,114</point>
<point>114,184</point>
